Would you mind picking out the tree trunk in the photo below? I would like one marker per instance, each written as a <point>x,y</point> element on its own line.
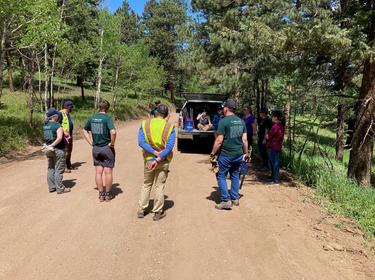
<point>80,84</point>
<point>257,98</point>
<point>264,95</point>
<point>10,71</point>
<point>114,101</point>
<point>99,84</point>
<point>364,132</point>
<point>3,31</point>
<point>287,110</point>
<point>46,99</point>
<point>171,85</point>
<point>340,132</point>
<point>99,80</point>
<point>363,137</point>
<point>31,89</point>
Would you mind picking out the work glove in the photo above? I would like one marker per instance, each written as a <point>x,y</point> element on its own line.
<point>214,164</point>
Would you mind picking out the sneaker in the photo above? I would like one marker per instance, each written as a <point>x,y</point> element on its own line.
<point>52,190</point>
<point>159,215</point>
<point>108,197</point>
<point>236,202</point>
<point>224,205</point>
<point>66,190</point>
<point>140,214</point>
<point>101,196</point>
<point>274,184</point>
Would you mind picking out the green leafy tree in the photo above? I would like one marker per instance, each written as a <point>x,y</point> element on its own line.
<point>162,20</point>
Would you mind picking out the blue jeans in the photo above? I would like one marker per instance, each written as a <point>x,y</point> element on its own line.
<point>231,165</point>
<point>274,165</point>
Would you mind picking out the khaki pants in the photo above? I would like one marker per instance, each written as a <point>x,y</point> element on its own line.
<point>157,177</point>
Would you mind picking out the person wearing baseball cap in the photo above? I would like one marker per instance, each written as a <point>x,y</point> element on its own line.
<point>157,138</point>
<point>231,147</point>
<point>154,109</point>
<point>67,125</point>
<point>53,139</point>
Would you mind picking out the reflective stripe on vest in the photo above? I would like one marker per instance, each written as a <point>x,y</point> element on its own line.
<point>157,132</point>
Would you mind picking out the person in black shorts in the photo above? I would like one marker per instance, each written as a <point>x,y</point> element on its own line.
<point>100,133</point>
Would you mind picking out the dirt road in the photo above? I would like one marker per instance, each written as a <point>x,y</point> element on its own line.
<point>276,233</point>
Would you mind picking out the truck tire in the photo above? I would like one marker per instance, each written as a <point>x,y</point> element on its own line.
<point>180,145</point>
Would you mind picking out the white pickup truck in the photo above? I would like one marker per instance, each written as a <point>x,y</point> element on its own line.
<point>195,104</point>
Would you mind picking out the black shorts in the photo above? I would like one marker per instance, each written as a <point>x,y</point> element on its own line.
<point>104,156</point>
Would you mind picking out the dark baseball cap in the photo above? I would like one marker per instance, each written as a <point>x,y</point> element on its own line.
<point>51,112</point>
<point>162,109</point>
<point>230,104</point>
<point>68,104</point>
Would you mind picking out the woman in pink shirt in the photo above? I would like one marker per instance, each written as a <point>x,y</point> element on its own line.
<point>275,137</point>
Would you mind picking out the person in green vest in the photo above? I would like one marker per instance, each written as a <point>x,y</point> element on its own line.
<point>100,133</point>
<point>67,125</point>
<point>153,110</point>
<point>54,148</point>
<point>157,138</point>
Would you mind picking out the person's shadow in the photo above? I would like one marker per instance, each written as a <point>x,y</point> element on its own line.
<point>69,183</point>
<point>78,164</point>
<point>115,190</point>
<point>168,204</point>
<point>215,195</point>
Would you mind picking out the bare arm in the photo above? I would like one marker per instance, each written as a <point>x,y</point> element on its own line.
<point>88,136</point>
<point>218,142</point>
<point>59,134</point>
<point>113,137</point>
<point>245,146</point>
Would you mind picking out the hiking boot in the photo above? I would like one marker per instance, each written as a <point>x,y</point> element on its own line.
<point>236,202</point>
<point>159,215</point>
<point>101,196</point>
<point>66,190</point>
<point>141,214</point>
<point>224,205</point>
<point>108,197</point>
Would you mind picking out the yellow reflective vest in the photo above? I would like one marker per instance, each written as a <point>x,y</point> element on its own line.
<point>65,122</point>
<point>156,132</point>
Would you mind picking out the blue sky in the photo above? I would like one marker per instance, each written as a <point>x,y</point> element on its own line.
<point>137,5</point>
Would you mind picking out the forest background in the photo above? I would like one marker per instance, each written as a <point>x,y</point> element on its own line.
<point>314,60</point>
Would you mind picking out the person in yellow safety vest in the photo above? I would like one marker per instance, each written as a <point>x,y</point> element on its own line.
<point>157,138</point>
<point>67,125</point>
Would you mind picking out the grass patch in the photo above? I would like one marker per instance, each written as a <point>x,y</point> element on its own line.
<point>16,135</point>
<point>328,176</point>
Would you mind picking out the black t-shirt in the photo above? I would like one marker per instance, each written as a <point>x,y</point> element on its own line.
<point>263,125</point>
